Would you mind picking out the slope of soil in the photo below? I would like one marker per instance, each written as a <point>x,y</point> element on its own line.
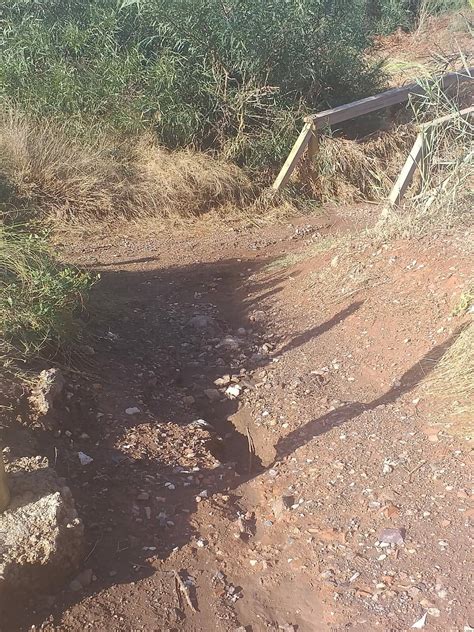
<point>274,514</point>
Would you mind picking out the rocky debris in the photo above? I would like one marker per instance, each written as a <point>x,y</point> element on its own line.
<point>231,593</point>
<point>46,390</point>
<point>233,391</point>
<point>257,316</point>
<point>202,423</point>
<point>205,323</point>
<point>222,381</point>
<point>41,536</point>
<point>282,504</point>
<point>246,525</point>
<point>230,343</point>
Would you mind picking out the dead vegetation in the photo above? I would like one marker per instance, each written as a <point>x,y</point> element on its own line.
<point>452,381</point>
<point>350,170</point>
<point>64,178</point>
<point>441,199</point>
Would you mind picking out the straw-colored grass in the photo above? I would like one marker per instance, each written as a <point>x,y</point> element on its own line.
<point>63,178</point>
<point>355,170</point>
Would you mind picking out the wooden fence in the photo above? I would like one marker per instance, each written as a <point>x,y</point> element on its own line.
<point>308,138</point>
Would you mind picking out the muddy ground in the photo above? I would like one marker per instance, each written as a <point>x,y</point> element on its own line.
<point>325,492</point>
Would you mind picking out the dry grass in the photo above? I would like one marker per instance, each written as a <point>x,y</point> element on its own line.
<point>348,170</point>
<point>452,381</point>
<point>66,179</point>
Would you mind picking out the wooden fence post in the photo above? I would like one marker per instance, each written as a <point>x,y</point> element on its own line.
<point>415,158</point>
<point>419,155</point>
<point>293,157</point>
<point>352,110</point>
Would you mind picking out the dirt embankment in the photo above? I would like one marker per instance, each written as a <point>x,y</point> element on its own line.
<point>323,490</point>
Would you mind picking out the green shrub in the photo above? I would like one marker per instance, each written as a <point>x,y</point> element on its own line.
<point>39,298</point>
<point>233,76</point>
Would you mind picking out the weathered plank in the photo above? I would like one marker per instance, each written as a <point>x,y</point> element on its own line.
<point>294,155</point>
<point>444,119</point>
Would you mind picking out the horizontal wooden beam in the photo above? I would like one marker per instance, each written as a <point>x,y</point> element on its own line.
<point>382,100</point>
<point>449,117</point>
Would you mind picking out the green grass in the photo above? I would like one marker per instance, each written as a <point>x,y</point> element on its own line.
<point>39,298</point>
<point>234,76</point>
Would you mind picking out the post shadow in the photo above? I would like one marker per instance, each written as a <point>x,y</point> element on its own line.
<point>318,330</point>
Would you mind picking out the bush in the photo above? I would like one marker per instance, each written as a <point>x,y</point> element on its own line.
<point>443,193</point>
<point>38,297</point>
<point>389,15</point>
<point>233,76</point>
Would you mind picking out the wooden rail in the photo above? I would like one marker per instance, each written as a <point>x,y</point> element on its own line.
<point>315,122</point>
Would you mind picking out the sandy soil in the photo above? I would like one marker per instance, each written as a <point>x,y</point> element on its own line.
<point>441,44</point>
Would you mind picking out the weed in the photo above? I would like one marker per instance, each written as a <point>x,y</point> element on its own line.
<point>466,302</point>
<point>319,244</point>
<point>453,378</point>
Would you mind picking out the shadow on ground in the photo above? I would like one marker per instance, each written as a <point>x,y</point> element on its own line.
<point>147,354</point>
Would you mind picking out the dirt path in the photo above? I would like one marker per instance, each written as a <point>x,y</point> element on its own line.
<point>278,513</point>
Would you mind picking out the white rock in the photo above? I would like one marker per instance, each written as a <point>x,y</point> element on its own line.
<point>233,391</point>
<point>84,458</point>
<point>420,623</point>
<point>133,410</point>
<point>230,342</point>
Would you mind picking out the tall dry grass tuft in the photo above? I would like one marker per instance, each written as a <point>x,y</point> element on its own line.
<point>65,178</point>
<point>452,381</point>
<point>183,183</point>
